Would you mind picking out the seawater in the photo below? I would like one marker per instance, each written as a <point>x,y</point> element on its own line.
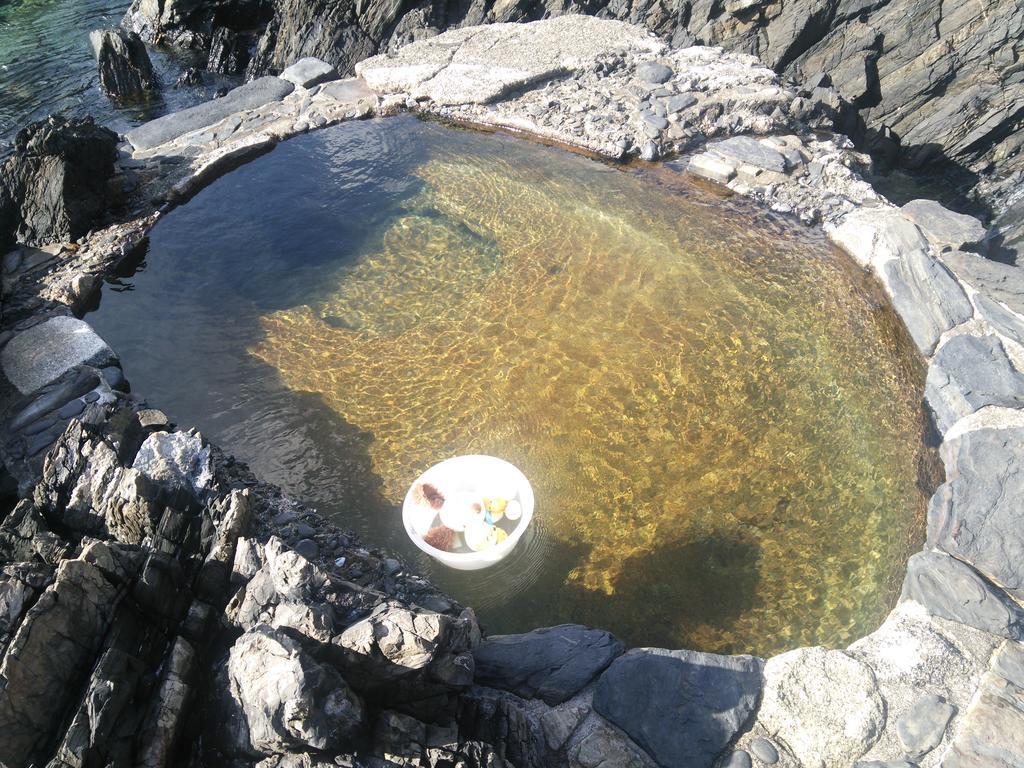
<point>719,413</point>
<point>47,66</point>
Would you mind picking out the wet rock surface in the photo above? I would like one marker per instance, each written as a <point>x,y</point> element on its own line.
<point>126,73</point>
<point>54,187</point>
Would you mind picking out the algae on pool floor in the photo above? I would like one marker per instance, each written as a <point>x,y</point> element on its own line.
<point>721,425</point>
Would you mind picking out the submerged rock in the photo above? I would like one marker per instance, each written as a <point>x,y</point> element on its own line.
<point>126,73</point>
<point>54,187</point>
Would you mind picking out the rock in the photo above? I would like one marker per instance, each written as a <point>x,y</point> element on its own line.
<point>953,590</point>
<point>20,584</point>
<point>54,187</point>
<point>969,373</point>
<point>126,73</point>
<point>974,515</point>
<point>654,73</point>
<point>884,764</point>
<point>921,728</point>
<point>764,750</point>
<point>744,149</point>
<point>914,654</point>
<point>711,167</point>
<point>926,296</point>
<point>189,78</point>
<point>945,229</point>
<point>601,745</point>
<point>990,734</point>
<point>229,52</point>
<point>288,700</point>
<point>824,706</point>
<point>1005,321</point>
<point>50,656</point>
<point>177,461</point>
<point>552,663</point>
<point>1002,282</point>
<point>308,72</point>
<point>47,351</point>
<point>308,548</point>
<point>252,95</point>
<point>646,692</point>
<point>679,102</point>
<point>479,65</point>
<point>738,759</point>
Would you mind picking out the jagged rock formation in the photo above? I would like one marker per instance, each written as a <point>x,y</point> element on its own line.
<point>126,73</point>
<point>54,187</point>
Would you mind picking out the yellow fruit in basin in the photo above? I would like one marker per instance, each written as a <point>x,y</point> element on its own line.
<point>495,505</point>
<point>481,536</point>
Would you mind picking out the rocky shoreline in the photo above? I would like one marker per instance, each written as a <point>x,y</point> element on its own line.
<point>159,606</point>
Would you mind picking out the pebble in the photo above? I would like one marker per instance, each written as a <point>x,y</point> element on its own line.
<point>304,530</point>
<point>392,566</point>
<point>308,548</point>
<point>764,750</point>
<point>92,397</point>
<point>738,759</point>
<point>39,426</point>
<point>114,376</point>
<point>654,73</point>
<point>680,102</point>
<point>73,408</point>
<point>339,562</point>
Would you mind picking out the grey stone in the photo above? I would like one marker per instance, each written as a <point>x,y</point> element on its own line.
<point>884,764</point>
<point>975,515</point>
<point>126,73</point>
<point>679,102</point>
<point>926,296</point>
<point>1003,282</point>
<point>968,373</point>
<point>45,352</point>
<point>308,548</point>
<point>953,590</point>
<point>653,72</point>
<point>744,149</point>
<point>823,705</point>
<point>309,72</point>
<point>350,89</point>
<point>286,699</point>
<point>177,461</point>
<point>738,759</point>
<point>551,663</point>
<point>39,426</point>
<point>73,408</point>
<point>711,167</point>
<point>764,750</point>
<point>656,122</point>
<point>944,228</point>
<point>990,734</point>
<point>1000,317</point>
<point>169,127</point>
<point>683,707</point>
<point>921,728</point>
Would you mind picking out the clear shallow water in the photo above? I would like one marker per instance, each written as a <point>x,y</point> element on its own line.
<point>47,66</point>
<point>719,415</point>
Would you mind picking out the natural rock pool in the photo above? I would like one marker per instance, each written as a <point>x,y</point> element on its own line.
<point>719,413</point>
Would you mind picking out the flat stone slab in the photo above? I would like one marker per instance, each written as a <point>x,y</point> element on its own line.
<point>953,590</point>
<point>551,663</point>
<point>683,707</point>
<point>1004,282</point>
<point>654,73</point>
<point>479,65</point>
<point>991,735</point>
<point>921,728</point>
<point>169,127</point>
<point>976,514</point>
<point>823,705</point>
<point>968,373</point>
<point>308,72</point>
<point>945,229</point>
<point>349,89</point>
<point>744,149</point>
<point>45,352</point>
<point>711,167</point>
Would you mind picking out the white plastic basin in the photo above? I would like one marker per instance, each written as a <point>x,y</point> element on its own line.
<point>462,473</point>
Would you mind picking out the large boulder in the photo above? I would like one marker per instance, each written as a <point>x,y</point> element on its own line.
<point>45,352</point>
<point>126,73</point>
<point>287,700</point>
<point>56,180</point>
<point>552,663</point>
<point>683,707</point>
